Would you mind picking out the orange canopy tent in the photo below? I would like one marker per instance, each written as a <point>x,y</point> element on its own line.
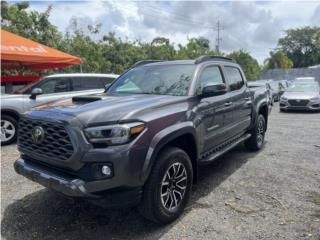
<point>21,53</point>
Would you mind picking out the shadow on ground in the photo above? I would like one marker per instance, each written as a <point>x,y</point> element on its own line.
<point>300,112</point>
<point>47,215</point>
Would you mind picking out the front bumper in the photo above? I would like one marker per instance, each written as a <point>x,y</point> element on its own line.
<point>310,106</point>
<point>76,187</point>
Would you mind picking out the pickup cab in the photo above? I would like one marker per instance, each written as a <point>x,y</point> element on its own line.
<point>142,141</point>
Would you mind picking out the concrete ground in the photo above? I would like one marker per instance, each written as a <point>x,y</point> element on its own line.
<point>271,194</point>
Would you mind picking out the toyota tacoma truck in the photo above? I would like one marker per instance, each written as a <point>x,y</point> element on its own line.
<point>142,141</point>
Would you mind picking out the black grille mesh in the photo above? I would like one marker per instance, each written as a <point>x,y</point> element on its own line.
<point>299,103</point>
<point>56,143</point>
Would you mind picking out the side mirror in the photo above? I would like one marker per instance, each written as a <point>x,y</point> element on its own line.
<point>214,90</point>
<point>35,92</point>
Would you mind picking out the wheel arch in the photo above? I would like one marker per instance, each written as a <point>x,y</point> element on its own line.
<point>264,111</point>
<point>183,136</point>
<point>261,108</point>
<point>11,113</point>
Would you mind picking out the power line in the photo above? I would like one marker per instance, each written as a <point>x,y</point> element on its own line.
<point>170,17</point>
<point>186,20</point>
<point>153,11</point>
<point>175,15</point>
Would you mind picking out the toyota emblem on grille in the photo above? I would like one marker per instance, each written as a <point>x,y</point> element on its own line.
<point>298,100</point>
<point>37,135</point>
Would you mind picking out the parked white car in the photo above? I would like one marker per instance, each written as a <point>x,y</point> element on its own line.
<point>48,89</point>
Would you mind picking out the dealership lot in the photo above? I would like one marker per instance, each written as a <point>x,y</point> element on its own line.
<point>272,194</point>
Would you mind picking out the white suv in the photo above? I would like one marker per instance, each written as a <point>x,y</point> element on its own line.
<point>48,89</point>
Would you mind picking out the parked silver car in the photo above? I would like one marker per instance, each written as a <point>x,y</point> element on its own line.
<point>48,89</point>
<point>301,96</point>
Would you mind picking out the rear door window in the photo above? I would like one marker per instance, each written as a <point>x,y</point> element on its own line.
<point>87,83</point>
<point>234,77</point>
<point>211,75</point>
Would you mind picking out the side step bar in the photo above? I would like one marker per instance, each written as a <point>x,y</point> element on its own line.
<point>213,156</point>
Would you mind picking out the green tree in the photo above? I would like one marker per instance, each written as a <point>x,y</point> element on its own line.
<point>30,24</point>
<point>160,48</point>
<point>302,46</point>
<point>90,52</point>
<point>278,59</point>
<point>249,64</point>
<point>123,54</point>
<point>195,48</point>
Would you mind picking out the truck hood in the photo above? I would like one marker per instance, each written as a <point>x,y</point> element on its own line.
<point>300,95</point>
<point>109,109</point>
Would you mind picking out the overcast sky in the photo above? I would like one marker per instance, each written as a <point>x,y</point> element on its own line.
<point>253,26</point>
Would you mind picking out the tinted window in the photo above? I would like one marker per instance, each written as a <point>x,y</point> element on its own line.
<point>211,75</point>
<point>234,77</point>
<point>106,80</point>
<point>155,79</point>
<point>86,83</point>
<point>54,85</point>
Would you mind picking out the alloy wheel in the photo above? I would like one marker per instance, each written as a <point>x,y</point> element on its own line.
<point>260,132</point>
<point>173,186</point>
<point>8,131</point>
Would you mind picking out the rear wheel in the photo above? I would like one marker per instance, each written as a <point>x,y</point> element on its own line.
<point>255,142</point>
<point>9,127</point>
<point>272,101</point>
<point>167,190</point>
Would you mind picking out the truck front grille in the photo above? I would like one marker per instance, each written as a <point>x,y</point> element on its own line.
<point>298,103</point>
<point>56,143</point>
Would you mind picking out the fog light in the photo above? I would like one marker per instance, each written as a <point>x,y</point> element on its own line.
<point>106,170</point>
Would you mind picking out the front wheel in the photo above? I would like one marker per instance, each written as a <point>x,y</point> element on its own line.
<point>255,142</point>
<point>9,127</point>
<point>167,190</point>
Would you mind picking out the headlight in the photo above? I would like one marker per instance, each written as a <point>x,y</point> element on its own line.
<point>284,98</point>
<point>114,134</point>
<point>315,99</point>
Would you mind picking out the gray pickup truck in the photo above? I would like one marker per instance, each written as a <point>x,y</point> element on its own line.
<point>142,141</point>
<point>48,89</point>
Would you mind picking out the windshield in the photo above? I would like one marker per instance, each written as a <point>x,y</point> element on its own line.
<point>171,80</point>
<point>307,87</point>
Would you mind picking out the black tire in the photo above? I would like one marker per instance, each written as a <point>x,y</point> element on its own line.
<point>153,205</point>
<point>255,142</point>
<point>274,99</point>
<point>13,126</point>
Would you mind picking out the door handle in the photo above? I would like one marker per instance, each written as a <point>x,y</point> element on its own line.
<point>227,104</point>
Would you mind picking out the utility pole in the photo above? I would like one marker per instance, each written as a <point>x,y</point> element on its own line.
<point>218,39</point>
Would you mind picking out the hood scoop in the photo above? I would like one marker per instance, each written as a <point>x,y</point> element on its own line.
<point>85,99</point>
